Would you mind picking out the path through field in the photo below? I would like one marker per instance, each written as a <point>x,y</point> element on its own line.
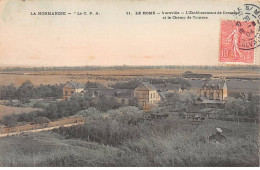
<point>40,130</point>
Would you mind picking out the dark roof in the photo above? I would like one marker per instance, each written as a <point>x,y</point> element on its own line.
<point>76,85</point>
<point>148,85</point>
<point>213,84</point>
<point>164,94</point>
<point>167,87</point>
<point>121,93</point>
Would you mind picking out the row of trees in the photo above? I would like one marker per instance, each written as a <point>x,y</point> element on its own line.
<point>131,84</point>
<point>134,83</point>
<point>78,103</point>
<point>123,67</point>
<point>244,108</point>
<point>28,91</point>
<point>61,109</point>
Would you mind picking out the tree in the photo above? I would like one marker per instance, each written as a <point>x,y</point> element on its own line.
<point>52,111</point>
<point>8,92</point>
<point>44,91</point>
<point>235,107</point>
<point>106,103</point>
<point>253,109</point>
<point>10,120</point>
<point>25,91</point>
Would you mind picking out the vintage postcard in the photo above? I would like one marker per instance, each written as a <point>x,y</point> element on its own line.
<point>129,83</point>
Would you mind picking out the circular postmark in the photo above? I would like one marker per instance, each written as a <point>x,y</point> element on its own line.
<point>247,20</point>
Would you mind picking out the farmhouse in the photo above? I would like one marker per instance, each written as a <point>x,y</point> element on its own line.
<point>146,95</point>
<point>213,95</point>
<point>72,87</point>
<point>214,92</point>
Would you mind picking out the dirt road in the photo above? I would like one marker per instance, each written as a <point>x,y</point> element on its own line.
<point>39,130</point>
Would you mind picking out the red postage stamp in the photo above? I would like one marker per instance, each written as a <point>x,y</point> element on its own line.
<point>237,40</point>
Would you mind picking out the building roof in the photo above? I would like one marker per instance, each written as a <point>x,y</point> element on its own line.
<point>120,93</point>
<point>76,85</point>
<point>214,84</point>
<point>148,86</point>
<point>162,95</point>
<point>167,87</point>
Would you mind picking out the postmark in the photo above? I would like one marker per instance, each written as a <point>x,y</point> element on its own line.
<point>240,37</point>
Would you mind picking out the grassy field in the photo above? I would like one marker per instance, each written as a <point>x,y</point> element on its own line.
<point>102,76</point>
<point>184,145</point>
<point>5,110</point>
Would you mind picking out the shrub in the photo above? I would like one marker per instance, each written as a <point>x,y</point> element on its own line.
<point>88,112</point>
<point>16,119</point>
<point>40,120</point>
<point>40,104</point>
<point>10,120</point>
<point>120,124</point>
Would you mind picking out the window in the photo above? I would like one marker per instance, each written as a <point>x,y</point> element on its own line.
<point>66,93</point>
<point>151,96</point>
<point>205,94</point>
<point>154,95</point>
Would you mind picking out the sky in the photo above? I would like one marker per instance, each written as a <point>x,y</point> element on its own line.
<point>111,38</point>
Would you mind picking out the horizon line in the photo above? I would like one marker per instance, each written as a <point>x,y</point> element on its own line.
<point>124,65</point>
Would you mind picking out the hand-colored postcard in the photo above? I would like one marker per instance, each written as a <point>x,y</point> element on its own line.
<point>129,83</point>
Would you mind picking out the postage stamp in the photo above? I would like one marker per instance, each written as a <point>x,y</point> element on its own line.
<point>240,37</point>
<point>237,41</point>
